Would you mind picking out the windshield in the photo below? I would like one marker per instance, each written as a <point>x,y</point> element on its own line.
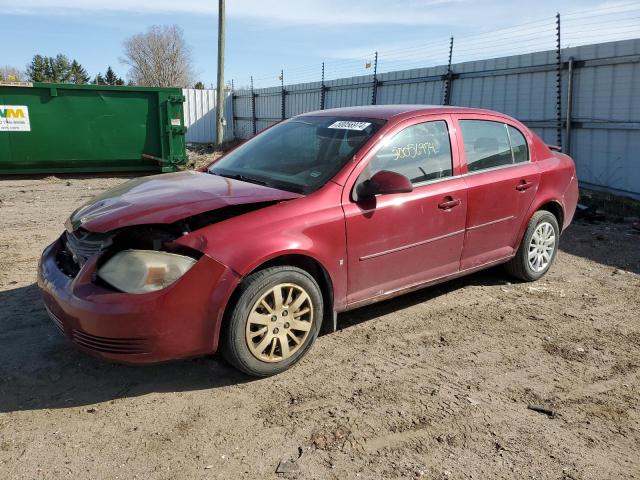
<point>299,155</point>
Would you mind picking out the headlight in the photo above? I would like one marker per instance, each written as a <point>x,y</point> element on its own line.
<point>141,271</point>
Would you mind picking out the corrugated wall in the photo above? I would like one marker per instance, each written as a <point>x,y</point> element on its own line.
<point>402,87</point>
<point>200,115</point>
<point>605,122</point>
<point>606,111</point>
<point>523,86</point>
<point>304,97</point>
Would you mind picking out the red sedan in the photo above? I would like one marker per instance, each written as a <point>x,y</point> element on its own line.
<point>322,213</point>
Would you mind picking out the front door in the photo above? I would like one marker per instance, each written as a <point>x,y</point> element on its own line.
<point>400,240</point>
<point>501,184</point>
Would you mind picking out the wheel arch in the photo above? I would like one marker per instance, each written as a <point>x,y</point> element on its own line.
<point>552,206</point>
<point>555,208</point>
<point>302,261</point>
<point>310,265</point>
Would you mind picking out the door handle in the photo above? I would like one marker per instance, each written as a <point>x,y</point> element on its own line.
<point>448,203</point>
<point>524,185</point>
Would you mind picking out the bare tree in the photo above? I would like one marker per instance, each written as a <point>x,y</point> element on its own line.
<point>10,74</point>
<point>159,57</point>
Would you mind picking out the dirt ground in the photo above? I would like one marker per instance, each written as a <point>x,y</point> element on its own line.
<point>434,384</point>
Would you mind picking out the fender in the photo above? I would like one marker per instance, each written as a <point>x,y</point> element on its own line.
<point>284,229</point>
<point>222,296</point>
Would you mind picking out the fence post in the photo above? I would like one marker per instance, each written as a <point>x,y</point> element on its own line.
<point>233,111</point>
<point>569,102</point>
<point>558,83</point>
<point>323,89</point>
<point>253,108</point>
<point>446,98</point>
<point>282,93</point>
<point>374,92</point>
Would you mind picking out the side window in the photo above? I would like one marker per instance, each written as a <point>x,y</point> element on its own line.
<point>486,144</point>
<point>421,152</point>
<point>518,145</point>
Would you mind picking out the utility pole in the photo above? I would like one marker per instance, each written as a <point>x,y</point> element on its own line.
<point>220,88</point>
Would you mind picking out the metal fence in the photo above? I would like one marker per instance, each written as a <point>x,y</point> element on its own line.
<point>583,98</point>
<point>589,102</point>
<point>200,116</point>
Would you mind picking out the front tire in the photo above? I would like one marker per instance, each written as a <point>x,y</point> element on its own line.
<point>538,248</point>
<point>273,322</point>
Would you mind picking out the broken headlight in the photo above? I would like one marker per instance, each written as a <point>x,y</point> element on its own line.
<point>142,271</point>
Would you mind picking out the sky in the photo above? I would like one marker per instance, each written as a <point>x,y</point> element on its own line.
<point>265,36</point>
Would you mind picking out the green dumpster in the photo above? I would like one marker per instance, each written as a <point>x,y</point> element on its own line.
<point>57,128</point>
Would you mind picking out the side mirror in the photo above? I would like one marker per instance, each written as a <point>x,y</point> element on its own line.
<point>384,183</point>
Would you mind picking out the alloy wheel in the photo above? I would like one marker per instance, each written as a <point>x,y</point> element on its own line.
<point>279,323</point>
<point>541,247</point>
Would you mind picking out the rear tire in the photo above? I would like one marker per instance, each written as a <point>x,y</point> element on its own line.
<point>538,248</point>
<point>273,322</point>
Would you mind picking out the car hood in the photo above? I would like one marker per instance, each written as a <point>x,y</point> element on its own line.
<point>167,198</point>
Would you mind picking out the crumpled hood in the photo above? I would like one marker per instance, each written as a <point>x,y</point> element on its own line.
<point>167,198</point>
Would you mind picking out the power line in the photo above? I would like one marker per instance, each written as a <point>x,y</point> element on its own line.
<point>580,28</point>
<point>620,8</point>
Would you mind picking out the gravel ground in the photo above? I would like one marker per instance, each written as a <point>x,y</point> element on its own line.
<point>433,384</point>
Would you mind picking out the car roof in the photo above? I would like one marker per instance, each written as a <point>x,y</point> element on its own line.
<point>388,112</point>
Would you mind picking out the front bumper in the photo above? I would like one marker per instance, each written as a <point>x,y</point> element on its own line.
<point>182,320</point>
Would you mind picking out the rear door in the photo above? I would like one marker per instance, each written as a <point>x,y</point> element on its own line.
<point>399,240</point>
<point>501,183</point>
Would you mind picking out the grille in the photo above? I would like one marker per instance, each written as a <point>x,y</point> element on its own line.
<point>56,321</point>
<point>83,245</point>
<point>111,345</point>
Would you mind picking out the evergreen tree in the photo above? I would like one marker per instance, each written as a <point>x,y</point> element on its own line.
<point>55,69</point>
<point>99,80</point>
<point>58,68</point>
<point>199,86</point>
<point>36,70</point>
<point>111,78</point>
<point>48,69</point>
<point>77,74</point>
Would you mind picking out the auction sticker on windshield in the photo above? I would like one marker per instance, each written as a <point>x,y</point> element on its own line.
<point>14,118</point>
<point>347,125</point>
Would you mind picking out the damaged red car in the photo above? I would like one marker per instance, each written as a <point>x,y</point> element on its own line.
<point>322,213</point>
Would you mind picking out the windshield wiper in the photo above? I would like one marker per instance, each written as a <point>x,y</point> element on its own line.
<point>244,178</point>
<point>279,186</point>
